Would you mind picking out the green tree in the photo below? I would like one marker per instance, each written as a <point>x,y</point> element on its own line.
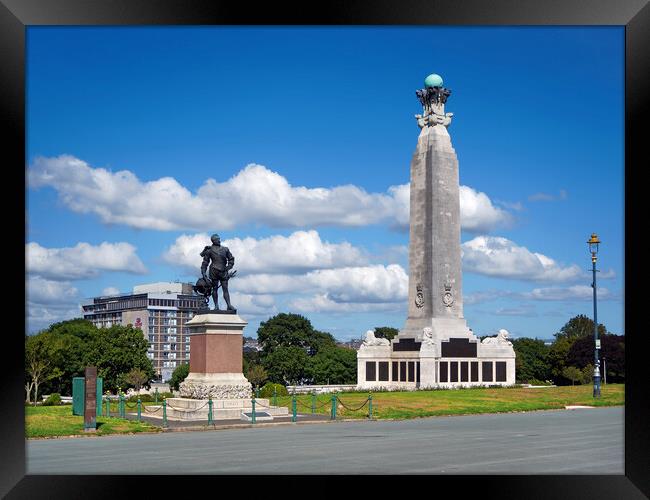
<point>557,356</point>
<point>612,348</point>
<point>286,365</point>
<point>386,332</point>
<point>579,326</point>
<point>587,374</point>
<point>136,377</point>
<point>39,368</point>
<point>334,365</point>
<point>318,341</point>
<point>573,374</point>
<point>284,330</point>
<point>256,375</point>
<point>532,359</point>
<point>180,373</point>
<point>116,351</point>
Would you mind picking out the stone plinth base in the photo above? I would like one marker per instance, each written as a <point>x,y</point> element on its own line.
<point>222,409</point>
<point>216,385</point>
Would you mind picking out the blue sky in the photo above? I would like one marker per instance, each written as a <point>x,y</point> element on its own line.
<point>294,144</point>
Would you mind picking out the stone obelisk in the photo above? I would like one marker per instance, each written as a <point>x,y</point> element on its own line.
<point>435,278</point>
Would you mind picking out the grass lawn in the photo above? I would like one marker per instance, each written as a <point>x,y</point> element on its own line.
<point>48,421</point>
<point>400,405</point>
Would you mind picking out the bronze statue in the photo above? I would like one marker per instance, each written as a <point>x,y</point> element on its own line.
<point>219,273</point>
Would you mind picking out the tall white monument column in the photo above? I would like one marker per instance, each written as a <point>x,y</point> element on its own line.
<point>435,348</point>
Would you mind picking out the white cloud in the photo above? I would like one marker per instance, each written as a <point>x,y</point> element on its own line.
<point>323,303</point>
<point>111,290</point>
<point>502,258</point>
<point>254,195</point>
<point>299,252</point>
<point>251,305</point>
<point>478,214</point>
<point>49,301</point>
<point>563,195</point>
<point>577,292</point>
<point>82,261</point>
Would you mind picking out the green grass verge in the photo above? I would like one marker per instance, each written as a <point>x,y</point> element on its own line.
<point>414,404</point>
<point>51,421</point>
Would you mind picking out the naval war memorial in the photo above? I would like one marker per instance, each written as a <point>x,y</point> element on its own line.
<point>435,348</point>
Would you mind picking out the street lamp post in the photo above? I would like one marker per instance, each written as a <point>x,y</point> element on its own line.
<point>593,248</point>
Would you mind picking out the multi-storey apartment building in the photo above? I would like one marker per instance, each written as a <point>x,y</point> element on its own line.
<point>160,310</point>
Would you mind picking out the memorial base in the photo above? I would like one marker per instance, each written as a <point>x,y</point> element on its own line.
<point>222,409</point>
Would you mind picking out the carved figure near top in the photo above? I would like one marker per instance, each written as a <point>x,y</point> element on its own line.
<point>501,338</point>
<point>370,339</point>
<point>219,272</point>
<point>433,99</point>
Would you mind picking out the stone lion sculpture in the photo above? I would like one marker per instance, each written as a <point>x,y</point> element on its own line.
<point>370,339</point>
<point>501,338</point>
<point>427,335</point>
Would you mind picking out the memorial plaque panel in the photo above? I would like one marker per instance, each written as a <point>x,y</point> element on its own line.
<point>443,371</point>
<point>371,374</point>
<point>458,348</point>
<point>417,371</point>
<point>383,371</point>
<point>453,371</point>
<point>411,371</point>
<point>474,371</point>
<point>395,374</point>
<point>406,345</point>
<point>90,399</point>
<point>402,371</point>
<point>487,371</point>
<point>500,371</point>
<point>464,371</point>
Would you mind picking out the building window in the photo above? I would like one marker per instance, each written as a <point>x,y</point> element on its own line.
<point>172,355</point>
<point>166,347</point>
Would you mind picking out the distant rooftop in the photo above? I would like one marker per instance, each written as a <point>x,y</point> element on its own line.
<point>164,287</point>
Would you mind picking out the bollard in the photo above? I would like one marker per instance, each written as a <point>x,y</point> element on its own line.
<point>333,408</point>
<point>369,405</point>
<point>164,404</point>
<point>293,404</point>
<point>210,410</point>
<point>313,402</point>
<point>139,409</point>
<point>275,396</point>
<point>253,414</point>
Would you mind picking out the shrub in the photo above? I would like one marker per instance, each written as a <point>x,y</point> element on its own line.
<point>180,373</point>
<point>53,399</point>
<point>267,390</point>
<point>145,398</point>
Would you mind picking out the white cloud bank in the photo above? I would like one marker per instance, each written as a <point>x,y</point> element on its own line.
<point>255,195</point>
<point>82,261</point>
<point>299,252</point>
<point>502,258</point>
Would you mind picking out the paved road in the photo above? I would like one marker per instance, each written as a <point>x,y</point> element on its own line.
<point>582,441</point>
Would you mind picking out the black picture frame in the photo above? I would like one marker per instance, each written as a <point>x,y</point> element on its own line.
<point>16,15</point>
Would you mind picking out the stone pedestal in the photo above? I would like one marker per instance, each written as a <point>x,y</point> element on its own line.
<point>216,342</point>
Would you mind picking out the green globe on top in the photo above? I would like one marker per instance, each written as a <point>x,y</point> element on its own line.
<point>433,80</point>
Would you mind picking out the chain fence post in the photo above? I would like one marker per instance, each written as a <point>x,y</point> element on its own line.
<point>139,409</point>
<point>122,406</point>
<point>293,404</point>
<point>313,402</point>
<point>275,396</point>
<point>370,405</point>
<point>156,394</point>
<point>257,392</point>
<point>333,415</point>
<point>164,405</point>
<point>108,406</point>
<point>210,410</point>
<point>253,414</point>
